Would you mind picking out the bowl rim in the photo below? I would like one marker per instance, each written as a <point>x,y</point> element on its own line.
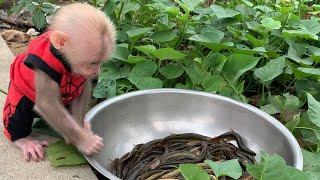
<point>298,164</point>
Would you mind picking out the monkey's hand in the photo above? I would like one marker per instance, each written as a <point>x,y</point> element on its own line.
<point>87,125</point>
<point>89,143</point>
<point>31,149</point>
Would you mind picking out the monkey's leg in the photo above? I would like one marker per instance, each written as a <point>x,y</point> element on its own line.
<point>18,117</point>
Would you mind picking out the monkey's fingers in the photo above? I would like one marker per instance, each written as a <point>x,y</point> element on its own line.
<point>93,150</point>
<point>44,143</point>
<point>39,151</point>
<point>87,125</point>
<point>100,138</point>
<point>33,154</point>
<point>26,155</point>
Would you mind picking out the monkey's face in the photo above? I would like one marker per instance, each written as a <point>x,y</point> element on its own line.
<point>88,69</point>
<point>87,63</point>
<point>86,55</point>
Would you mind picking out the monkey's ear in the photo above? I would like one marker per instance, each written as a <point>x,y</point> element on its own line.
<point>59,39</point>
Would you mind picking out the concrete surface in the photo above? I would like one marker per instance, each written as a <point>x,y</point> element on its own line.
<point>12,165</point>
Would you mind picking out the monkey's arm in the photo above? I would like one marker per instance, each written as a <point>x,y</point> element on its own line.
<point>80,106</point>
<point>48,105</point>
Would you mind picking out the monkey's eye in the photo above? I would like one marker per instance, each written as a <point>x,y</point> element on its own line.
<point>94,63</point>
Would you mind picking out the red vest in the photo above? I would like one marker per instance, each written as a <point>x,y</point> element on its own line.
<point>42,55</point>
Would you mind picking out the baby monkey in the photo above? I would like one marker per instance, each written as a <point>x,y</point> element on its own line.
<point>52,79</point>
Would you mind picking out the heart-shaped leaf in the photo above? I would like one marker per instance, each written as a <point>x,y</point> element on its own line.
<point>193,172</point>
<point>271,23</point>
<point>146,82</point>
<point>229,168</point>
<point>121,52</point>
<point>313,110</point>
<point>168,53</point>
<point>39,20</point>
<point>271,70</point>
<point>171,71</point>
<point>148,49</point>
<point>138,31</point>
<point>214,36</point>
<point>222,13</point>
<point>237,64</point>
<point>144,69</point>
<point>164,36</point>
<point>274,168</point>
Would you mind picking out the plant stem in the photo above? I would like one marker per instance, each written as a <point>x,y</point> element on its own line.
<point>4,92</point>
<point>119,14</point>
<point>231,85</point>
<point>294,80</point>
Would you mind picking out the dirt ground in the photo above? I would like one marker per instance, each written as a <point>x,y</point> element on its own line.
<point>17,48</point>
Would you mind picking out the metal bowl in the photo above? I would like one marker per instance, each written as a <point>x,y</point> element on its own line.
<point>142,116</point>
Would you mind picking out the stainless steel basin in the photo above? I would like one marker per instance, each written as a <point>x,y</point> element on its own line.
<point>142,116</point>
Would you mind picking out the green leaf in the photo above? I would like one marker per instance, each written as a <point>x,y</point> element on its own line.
<point>168,53</point>
<point>311,25</point>
<point>305,29</point>
<point>171,71</point>
<point>164,36</point>
<point>271,70</point>
<point>135,59</point>
<point>291,102</point>
<point>293,123</point>
<point>312,87</point>
<point>270,109</point>
<point>109,70</point>
<point>60,154</point>
<point>313,110</point>
<point>110,7</point>
<point>299,33</point>
<point>311,161</point>
<point>148,49</point>
<point>128,7</point>
<point>193,74</point>
<point>247,3</point>
<point>222,13</point>
<point>274,168</point>
<point>264,9</point>
<point>271,23</point>
<point>213,82</point>
<point>48,7</point>
<point>146,82</point>
<point>124,71</point>
<point>213,36</point>
<point>111,88</point>
<point>256,42</point>
<point>144,69</point>
<point>138,31</point>
<point>99,90</point>
<point>310,71</point>
<point>121,52</point>
<point>172,10</point>
<point>193,172</point>
<point>229,168</point>
<point>215,60</point>
<point>296,51</point>
<point>192,4</point>
<point>237,64</point>
<point>39,20</point>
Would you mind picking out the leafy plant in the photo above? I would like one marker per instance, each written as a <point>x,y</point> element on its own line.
<point>60,154</point>
<point>273,168</point>
<point>39,9</point>
<point>229,168</point>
